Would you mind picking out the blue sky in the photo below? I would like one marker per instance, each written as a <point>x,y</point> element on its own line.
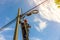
<point>44,26</point>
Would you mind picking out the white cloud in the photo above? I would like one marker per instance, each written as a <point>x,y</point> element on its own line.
<point>2,37</point>
<point>30,2</point>
<point>49,10</point>
<point>7,20</point>
<point>6,29</point>
<point>34,38</point>
<point>42,24</point>
<point>41,27</point>
<point>34,1</point>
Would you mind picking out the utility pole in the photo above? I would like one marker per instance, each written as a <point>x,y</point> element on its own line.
<point>24,25</point>
<point>17,23</point>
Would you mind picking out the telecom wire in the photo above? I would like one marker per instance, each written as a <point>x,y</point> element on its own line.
<point>5,26</point>
<point>35,6</point>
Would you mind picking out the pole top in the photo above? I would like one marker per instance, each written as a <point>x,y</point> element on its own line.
<point>19,11</point>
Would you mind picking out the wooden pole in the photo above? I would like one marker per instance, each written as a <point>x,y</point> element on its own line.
<point>16,28</point>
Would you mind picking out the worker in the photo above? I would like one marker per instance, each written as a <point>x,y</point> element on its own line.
<point>25,29</point>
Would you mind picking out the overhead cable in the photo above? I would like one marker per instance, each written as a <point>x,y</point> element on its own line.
<point>5,26</point>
